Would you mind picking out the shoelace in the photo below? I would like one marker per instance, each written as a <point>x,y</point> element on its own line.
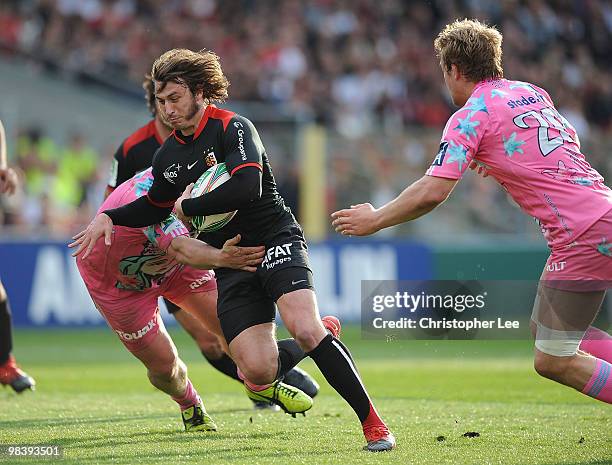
<point>198,415</point>
<point>198,412</point>
<point>376,433</point>
<point>285,390</point>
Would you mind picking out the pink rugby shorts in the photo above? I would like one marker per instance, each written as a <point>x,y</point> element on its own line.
<point>585,264</point>
<point>134,316</point>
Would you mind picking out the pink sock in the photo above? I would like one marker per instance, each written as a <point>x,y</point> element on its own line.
<point>600,384</point>
<point>251,386</point>
<point>598,343</point>
<point>190,398</point>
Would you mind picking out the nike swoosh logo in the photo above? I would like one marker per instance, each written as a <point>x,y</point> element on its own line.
<point>192,165</point>
<point>293,283</point>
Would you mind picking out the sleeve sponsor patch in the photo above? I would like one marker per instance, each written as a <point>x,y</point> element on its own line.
<point>439,160</point>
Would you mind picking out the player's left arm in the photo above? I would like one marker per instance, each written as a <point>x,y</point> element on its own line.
<point>200,255</point>
<point>416,200</point>
<point>460,143</point>
<point>243,159</point>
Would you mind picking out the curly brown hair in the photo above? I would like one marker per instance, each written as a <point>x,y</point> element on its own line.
<point>197,70</point>
<point>473,47</point>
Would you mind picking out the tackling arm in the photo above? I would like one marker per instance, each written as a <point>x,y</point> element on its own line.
<point>200,255</point>
<point>194,253</point>
<point>416,200</point>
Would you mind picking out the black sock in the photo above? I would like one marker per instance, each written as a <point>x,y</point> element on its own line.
<point>6,334</point>
<point>225,365</point>
<point>289,355</point>
<point>336,364</point>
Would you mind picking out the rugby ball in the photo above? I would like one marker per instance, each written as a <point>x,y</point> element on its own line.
<point>209,181</point>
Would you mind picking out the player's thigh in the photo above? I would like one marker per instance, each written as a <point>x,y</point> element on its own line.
<point>250,332</point>
<point>247,314</point>
<point>199,332</point>
<point>2,292</point>
<point>194,291</point>
<point>184,288</point>
<point>286,276</point>
<point>199,313</point>
<point>242,303</point>
<point>292,288</point>
<point>566,310</point>
<point>560,319</point>
<point>133,316</point>
<point>199,318</point>
<point>300,314</point>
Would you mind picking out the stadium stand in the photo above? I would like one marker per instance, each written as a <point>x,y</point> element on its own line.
<point>362,68</point>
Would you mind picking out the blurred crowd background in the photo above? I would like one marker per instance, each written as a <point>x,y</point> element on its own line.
<point>363,69</point>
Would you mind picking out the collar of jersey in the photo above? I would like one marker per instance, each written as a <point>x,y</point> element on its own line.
<point>203,121</point>
<point>485,82</point>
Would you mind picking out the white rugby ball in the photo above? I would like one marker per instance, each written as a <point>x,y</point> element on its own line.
<point>209,181</point>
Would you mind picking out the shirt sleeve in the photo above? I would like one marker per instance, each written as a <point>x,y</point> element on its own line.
<point>162,234</point>
<point>242,145</point>
<point>238,192</point>
<point>460,140</point>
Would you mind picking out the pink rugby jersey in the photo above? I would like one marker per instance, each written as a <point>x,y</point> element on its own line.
<point>513,128</point>
<point>136,260</point>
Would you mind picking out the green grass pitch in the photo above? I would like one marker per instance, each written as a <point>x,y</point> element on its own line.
<point>94,400</point>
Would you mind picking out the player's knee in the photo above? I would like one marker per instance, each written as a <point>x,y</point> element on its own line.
<point>208,341</point>
<point>161,375</point>
<point>309,338</point>
<point>260,370</point>
<point>166,369</point>
<point>211,348</point>
<point>552,367</point>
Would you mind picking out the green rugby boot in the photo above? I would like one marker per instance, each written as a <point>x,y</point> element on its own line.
<point>289,398</point>
<point>195,418</point>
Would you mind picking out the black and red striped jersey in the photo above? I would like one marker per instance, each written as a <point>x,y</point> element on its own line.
<point>221,137</point>
<point>134,155</point>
